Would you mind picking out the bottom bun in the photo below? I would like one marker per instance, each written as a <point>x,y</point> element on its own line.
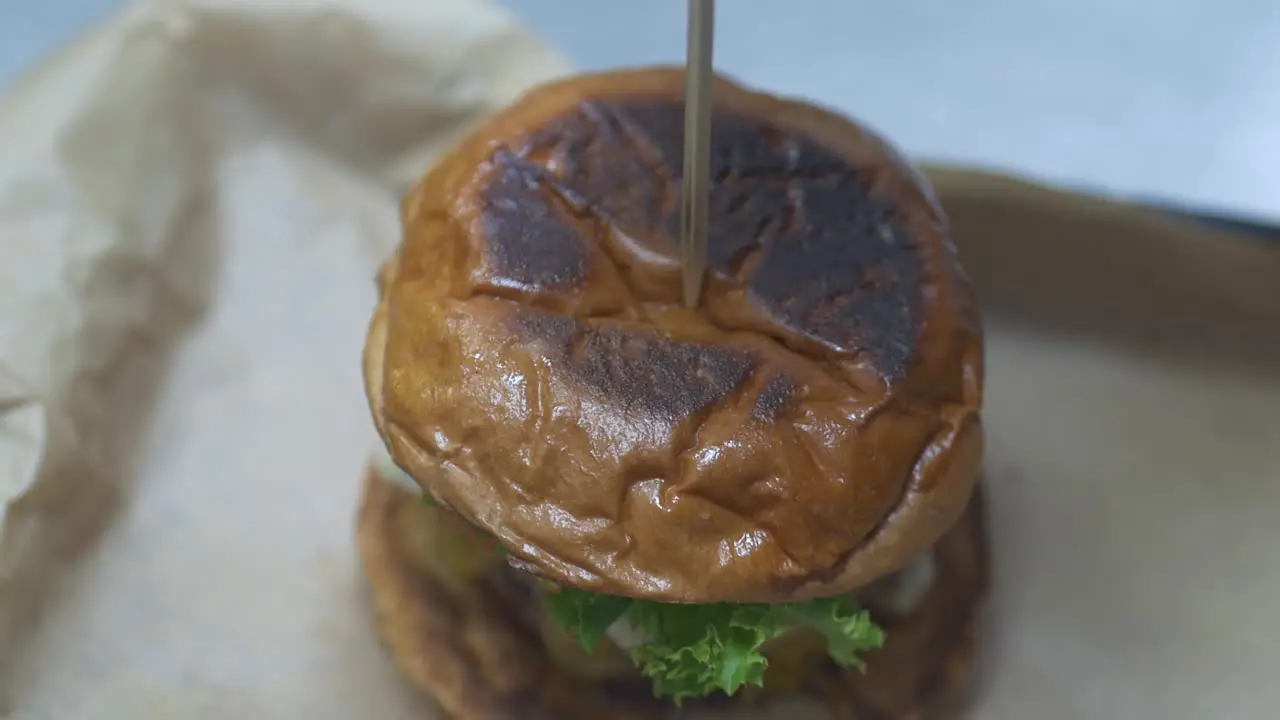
<point>464,628</point>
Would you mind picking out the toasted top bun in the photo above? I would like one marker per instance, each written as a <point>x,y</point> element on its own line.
<point>812,426</point>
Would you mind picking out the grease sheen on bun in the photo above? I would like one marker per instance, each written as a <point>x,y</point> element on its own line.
<point>811,427</point>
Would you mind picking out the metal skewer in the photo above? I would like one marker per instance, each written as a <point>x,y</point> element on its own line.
<point>697,148</point>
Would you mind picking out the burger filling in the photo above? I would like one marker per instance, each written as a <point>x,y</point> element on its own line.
<point>695,650</point>
<point>686,650</point>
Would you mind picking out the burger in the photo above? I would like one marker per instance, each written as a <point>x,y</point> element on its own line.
<point>596,502</point>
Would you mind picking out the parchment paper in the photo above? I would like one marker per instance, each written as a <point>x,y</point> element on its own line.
<point>192,203</point>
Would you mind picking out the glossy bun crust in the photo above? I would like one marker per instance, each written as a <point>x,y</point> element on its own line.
<point>472,643</point>
<point>811,427</point>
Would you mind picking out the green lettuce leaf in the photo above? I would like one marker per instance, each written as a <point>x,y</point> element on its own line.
<point>695,650</point>
<point>585,615</point>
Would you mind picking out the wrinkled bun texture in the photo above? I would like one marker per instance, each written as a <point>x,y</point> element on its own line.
<point>811,426</point>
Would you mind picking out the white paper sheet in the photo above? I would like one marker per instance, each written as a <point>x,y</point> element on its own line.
<point>252,153</point>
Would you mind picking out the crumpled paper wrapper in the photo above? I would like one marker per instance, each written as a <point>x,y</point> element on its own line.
<point>182,153</point>
<point>193,200</point>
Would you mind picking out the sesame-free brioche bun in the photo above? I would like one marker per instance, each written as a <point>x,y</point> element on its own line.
<point>811,426</point>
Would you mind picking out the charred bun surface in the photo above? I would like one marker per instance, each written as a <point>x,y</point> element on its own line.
<point>812,426</point>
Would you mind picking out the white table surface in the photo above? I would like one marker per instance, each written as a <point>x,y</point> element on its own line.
<point>1178,99</point>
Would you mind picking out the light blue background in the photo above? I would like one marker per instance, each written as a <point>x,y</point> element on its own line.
<point>1172,98</point>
